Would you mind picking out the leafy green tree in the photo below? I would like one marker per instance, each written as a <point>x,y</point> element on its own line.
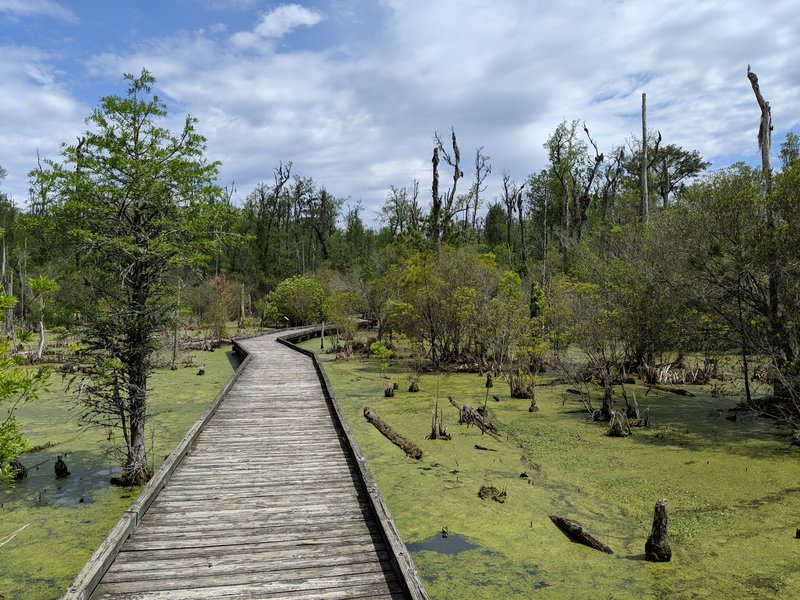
<point>219,310</point>
<point>341,310</point>
<point>17,384</point>
<point>300,299</point>
<point>134,201</point>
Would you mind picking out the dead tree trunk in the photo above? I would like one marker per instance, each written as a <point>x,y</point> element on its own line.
<point>393,436</point>
<point>657,549</point>
<point>773,305</point>
<point>436,204</point>
<point>470,416</point>
<point>645,209</point>
<point>645,203</point>
<point>523,241</point>
<point>577,533</point>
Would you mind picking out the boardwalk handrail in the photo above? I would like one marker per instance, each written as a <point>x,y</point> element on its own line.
<point>93,571</point>
<point>401,562</point>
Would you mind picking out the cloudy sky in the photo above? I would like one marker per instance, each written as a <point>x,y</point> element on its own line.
<point>351,91</point>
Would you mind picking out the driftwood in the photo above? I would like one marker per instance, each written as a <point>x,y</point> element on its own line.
<point>618,426</point>
<point>205,344</point>
<point>393,436</point>
<point>479,447</point>
<point>671,390</point>
<point>471,416</point>
<point>577,533</point>
<point>657,549</point>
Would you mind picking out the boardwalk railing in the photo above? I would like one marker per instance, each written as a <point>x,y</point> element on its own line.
<point>88,579</point>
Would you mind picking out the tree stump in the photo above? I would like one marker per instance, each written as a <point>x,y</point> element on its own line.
<point>486,492</point>
<point>414,387</point>
<point>388,391</point>
<point>61,468</point>
<point>18,470</point>
<point>657,547</point>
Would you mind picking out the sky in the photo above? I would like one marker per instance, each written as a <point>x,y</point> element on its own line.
<point>352,91</point>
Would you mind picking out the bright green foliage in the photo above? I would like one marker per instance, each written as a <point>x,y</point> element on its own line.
<point>17,384</point>
<point>300,299</point>
<point>134,202</point>
<point>341,310</point>
<point>459,301</point>
<point>508,326</point>
<point>219,309</point>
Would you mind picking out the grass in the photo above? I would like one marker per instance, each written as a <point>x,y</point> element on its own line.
<point>733,490</point>
<point>66,520</point>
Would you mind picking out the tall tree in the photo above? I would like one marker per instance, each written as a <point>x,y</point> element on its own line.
<point>453,158</point>
<point>645,207</point>
<point>135,201</point>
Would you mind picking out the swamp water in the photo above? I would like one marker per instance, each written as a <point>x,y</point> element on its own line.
<point>59,523</point>
<point>733,491</point>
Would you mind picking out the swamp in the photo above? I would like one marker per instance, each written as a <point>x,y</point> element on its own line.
<point>732,486</point>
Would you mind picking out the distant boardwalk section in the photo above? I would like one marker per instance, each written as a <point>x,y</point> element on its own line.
<point>270,499</point>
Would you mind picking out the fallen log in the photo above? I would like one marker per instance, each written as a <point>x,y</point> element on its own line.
<point>479,447</point>
<point>671,390</point>
<point>657,548</point>
<point>393,436</point>
<point>470,416</point>
<point>577,533</point>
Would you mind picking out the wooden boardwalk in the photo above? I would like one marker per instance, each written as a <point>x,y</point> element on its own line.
<point>269,503</point>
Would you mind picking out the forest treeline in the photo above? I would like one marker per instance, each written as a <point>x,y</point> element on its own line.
<point>638,255</point>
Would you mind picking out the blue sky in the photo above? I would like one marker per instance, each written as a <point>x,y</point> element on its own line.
<point>351,91</point>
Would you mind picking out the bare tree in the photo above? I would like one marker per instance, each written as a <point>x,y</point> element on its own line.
<point>451,208</point>
<point>523,241</point>
<point>775,321</point>
<point>645,202</point>
<point>585,189</point>
<point>482,170</point>
<point>436,203</point>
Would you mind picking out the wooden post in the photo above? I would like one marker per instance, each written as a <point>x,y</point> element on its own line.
<point>657,549</point>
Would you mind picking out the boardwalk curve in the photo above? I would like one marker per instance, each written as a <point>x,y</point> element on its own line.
<point>268,497</point>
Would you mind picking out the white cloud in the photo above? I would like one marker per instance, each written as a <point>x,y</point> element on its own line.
<point>35,8</point>
<point>284,19</point>
<point>43,114</point>
<point>359,115</point>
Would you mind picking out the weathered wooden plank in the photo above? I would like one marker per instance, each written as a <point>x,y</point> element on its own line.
<point>287,579</point>
<point>220,564</point>
<point>354,591</point>
<point>301,534</point>
<point>276,545</point>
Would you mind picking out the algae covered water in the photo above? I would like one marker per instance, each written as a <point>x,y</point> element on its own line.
<point>732,486</point>
<point>52,526</point>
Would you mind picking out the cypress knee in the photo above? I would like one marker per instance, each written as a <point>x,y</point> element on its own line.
<point>657,547</point>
